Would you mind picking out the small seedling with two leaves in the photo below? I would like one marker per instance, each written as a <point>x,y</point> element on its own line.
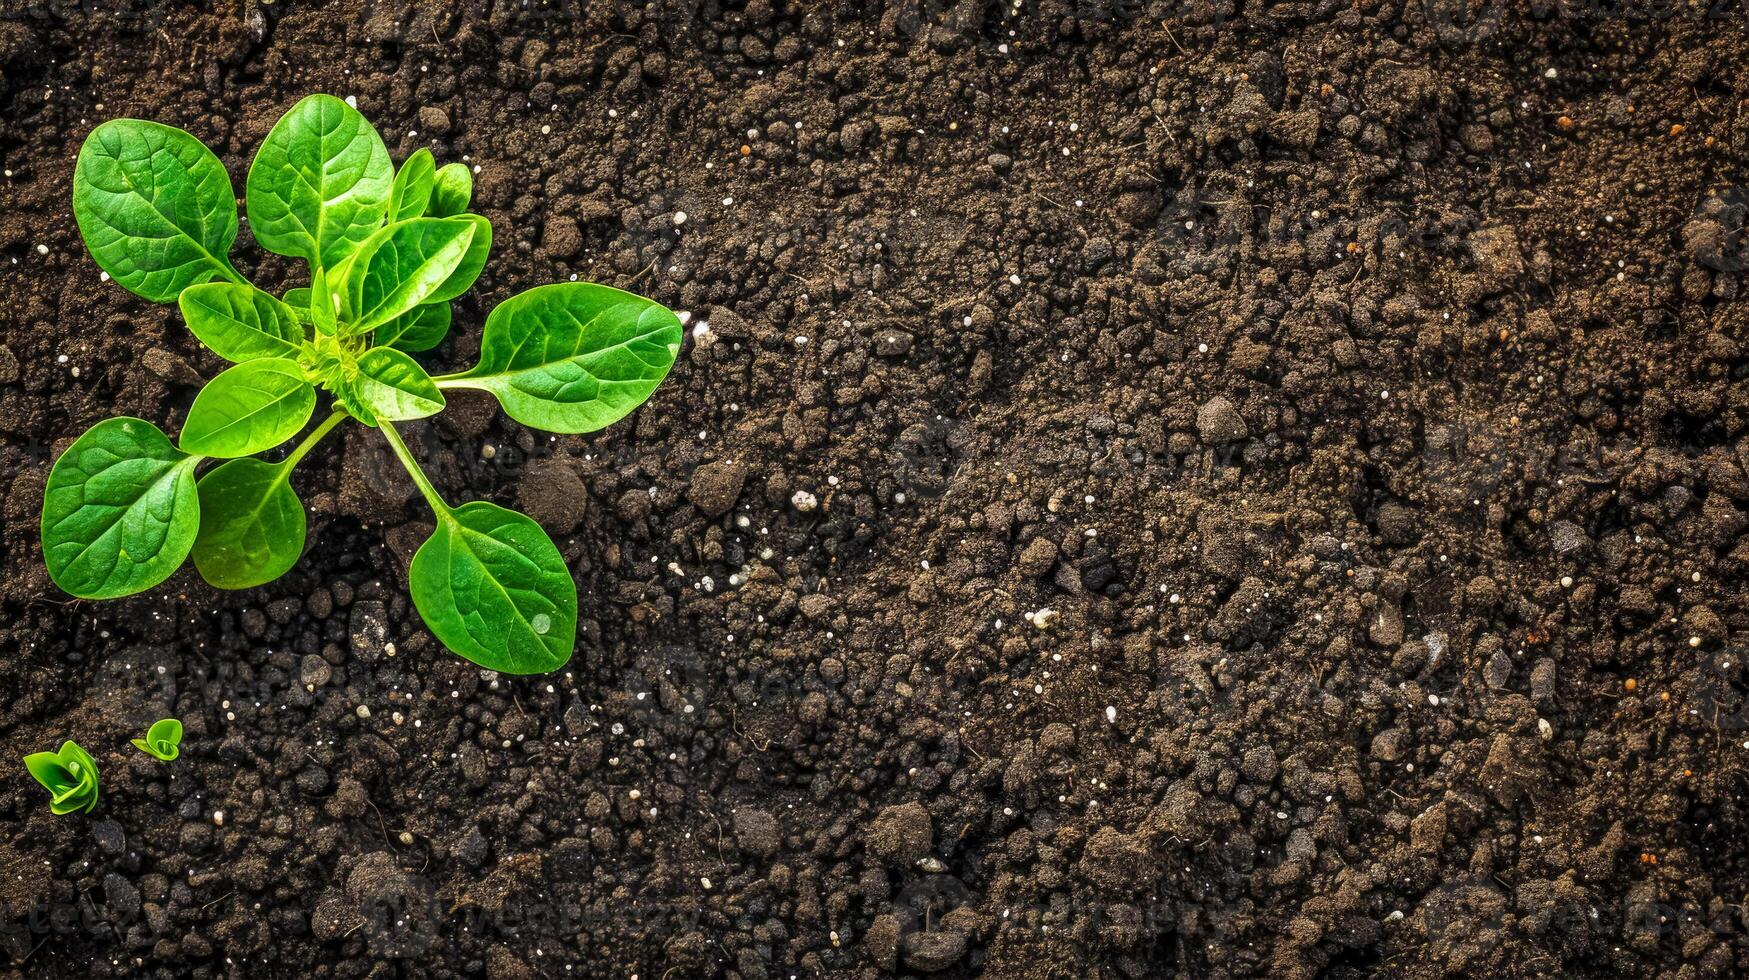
<point>163,740</point>
<point>387,251</point>
<point>69,775</point>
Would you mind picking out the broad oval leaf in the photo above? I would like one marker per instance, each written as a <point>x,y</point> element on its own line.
<point>574,356</point>
<point>251,407</point>
<point>252,525</point>
<point>402,266</point>
<point>468,270</point>
<point>394,388</point>
<point>416,330</point>
<point>412,188</point>
<point>451,191</point>
<point>240,323</point>
<point>155,207</point>
<point>320,182</point>
<point>119,511</point>
<point>492,587</point>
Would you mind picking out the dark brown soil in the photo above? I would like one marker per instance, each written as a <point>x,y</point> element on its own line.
<point>1280,503</point>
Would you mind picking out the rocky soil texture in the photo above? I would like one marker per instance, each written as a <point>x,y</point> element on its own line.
<point>1192,489</point>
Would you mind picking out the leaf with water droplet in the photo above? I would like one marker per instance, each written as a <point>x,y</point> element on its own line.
<point>492,587</point>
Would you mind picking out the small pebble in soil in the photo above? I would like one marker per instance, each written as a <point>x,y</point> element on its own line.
<point>804,501</point>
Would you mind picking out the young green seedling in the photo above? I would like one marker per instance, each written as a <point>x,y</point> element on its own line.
<point>69,775</point>
<point>163,740</point>
<point>387,251</point>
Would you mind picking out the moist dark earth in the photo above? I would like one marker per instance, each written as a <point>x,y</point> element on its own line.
<point>1150,490</point>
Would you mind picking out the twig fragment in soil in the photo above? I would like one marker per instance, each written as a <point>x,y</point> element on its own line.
<point>968,746</point>
<point>1169,36</point>
<point>735,723</point>
<point>32,952</point>
<point>384,824</point>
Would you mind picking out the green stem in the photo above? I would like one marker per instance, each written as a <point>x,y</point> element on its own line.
<point>231,272</point>
<point>438,507</point>
<point>310,441</point>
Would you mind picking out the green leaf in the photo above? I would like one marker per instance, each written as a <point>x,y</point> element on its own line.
<point>320,183</point>
<point>163,740</point>
<point>165,730</point>
<point>412,190</point>
<point>491,586</point>
<point>155,207</point>
<point>69,775</point>
<point>252,525</point>
<point>253,406</point>
<point>240,323</point>
<point>394,388</point>
<point>468,270</point>
<point>47,769</point>
<point>119,510</point>
<point>573,357</point>
<point>418,329</point>
<point>323,312</point>
<point>298,300</point>
<point>83,796</point>
<point>451,191</point>
<point>404,265</point>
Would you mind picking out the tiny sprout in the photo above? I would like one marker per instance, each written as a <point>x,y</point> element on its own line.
<point>163,740</point>
<point>69,775</point>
